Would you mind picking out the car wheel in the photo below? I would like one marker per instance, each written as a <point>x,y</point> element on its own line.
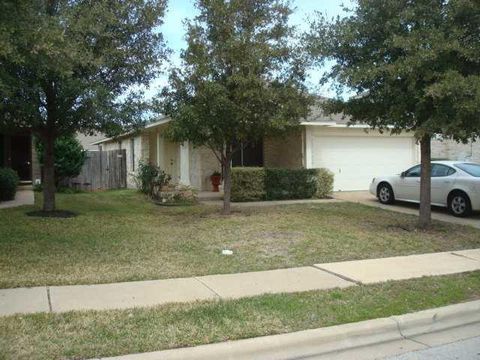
<point>385,194</point>
<point>459,204</point>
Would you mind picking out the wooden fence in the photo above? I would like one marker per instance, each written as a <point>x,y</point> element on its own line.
<point>102,170</point>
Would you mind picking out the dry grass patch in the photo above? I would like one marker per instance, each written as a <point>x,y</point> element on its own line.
<point>119,236</point>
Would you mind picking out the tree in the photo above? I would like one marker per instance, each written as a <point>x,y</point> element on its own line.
<point>69,157</point>
<point>69,66</point>
<point>414,66</point>
<point>241,79</point>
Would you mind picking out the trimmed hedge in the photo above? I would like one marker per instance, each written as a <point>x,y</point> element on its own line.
<point>8,184</point>
<point>254,184</point>
<point>248,184</point>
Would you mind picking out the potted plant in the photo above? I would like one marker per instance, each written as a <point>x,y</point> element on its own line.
<point>216,179</point>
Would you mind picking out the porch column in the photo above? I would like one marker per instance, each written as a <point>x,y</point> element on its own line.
<point>185,164</point>
<point>308,148</point>
<point>161,152</point>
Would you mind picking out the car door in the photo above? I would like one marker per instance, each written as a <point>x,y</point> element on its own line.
<point>408,186</point>
<point>443,177</point>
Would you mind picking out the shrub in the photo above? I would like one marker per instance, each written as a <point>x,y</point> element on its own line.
<point>283,184</point>
<point>8,184</point>
<point>248,184</point>
<point>148,177</point>
<point>69,157</point>
<point>324,183</point>
<point>253,184</point>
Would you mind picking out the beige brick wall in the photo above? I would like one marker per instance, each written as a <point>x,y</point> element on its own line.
<point>202,165</point>
<point>284,152</point>
<point>451,150</point>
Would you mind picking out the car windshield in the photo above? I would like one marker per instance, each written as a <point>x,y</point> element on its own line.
<point>472,169</point>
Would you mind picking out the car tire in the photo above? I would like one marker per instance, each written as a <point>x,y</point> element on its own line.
<point>385,194</point>
<point>459,204</point>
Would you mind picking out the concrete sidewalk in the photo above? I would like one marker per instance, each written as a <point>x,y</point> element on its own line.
<point>232,286</point>
<point>22,197</point>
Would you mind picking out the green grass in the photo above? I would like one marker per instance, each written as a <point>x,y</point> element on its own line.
<point>79,335</point>
<point>119,236</point>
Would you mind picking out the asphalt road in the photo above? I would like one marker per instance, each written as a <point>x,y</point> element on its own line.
<point>461,350</point>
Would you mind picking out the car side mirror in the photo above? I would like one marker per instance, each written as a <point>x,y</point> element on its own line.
<point>403,174</point>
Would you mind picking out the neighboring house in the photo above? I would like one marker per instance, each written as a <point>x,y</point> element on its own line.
<point>87,140</point>
<point>451,150</point>
<point>17,152</point>
<point>354,154</point>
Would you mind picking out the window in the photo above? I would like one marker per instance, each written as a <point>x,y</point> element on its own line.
<point>439,170</point>
<point>413,172</point>
<point>249,155</point>
<point>469,168</point>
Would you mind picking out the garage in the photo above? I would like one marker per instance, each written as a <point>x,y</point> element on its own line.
<point>355,157</point>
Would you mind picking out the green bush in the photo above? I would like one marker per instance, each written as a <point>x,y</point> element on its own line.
<point>69,157</point>
<point>284,184</point>
<point>8,184</point>
<point>254,184</point>
<point>248,184</point>
<point>148,177</point>
<point>324,183</point>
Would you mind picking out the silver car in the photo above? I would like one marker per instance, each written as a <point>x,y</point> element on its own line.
<point>455,185</point>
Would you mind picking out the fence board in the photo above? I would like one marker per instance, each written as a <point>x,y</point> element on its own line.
<point>102,170</point>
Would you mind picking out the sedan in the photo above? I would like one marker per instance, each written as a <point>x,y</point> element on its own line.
<point>455,185</point>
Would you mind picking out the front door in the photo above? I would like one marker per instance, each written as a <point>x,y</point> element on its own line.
<point>21,156</point>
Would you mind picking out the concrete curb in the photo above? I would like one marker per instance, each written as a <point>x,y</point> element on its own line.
<point>329,340</point>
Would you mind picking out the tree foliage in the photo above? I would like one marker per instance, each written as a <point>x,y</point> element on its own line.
<point>413,65</point>
<point>241,78</point>
<point>69,66</point>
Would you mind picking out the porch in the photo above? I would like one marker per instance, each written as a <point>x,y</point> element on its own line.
<point>17,151</point>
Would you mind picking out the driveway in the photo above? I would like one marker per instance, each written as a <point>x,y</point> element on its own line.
<point>364,197</point>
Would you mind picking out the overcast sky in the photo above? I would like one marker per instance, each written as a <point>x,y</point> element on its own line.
<point>179,10</point>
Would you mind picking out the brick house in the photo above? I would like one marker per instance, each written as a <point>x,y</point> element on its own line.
<point>354,154</point>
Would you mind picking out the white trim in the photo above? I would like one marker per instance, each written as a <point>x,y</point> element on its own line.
<point>185,163</point>
<point>160,151</point>
<point>149,126</point>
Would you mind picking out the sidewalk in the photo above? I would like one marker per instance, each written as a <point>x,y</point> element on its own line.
<point>22,197</point>
<point>231,286</point>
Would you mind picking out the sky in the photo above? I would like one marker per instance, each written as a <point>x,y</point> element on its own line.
<point>178,10</point>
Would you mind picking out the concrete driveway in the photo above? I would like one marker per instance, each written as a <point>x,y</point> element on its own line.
<point>364,197</point>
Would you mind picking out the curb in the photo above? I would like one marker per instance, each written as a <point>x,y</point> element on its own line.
<point>318,342</point>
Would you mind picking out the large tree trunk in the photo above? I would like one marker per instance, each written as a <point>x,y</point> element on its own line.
<point>48,173</point>
<point>425,217</point>
<point>227,182</point>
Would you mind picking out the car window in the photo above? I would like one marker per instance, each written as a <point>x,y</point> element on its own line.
<point>439,170</point>
<point>469,168</point>
<point>413,172</point>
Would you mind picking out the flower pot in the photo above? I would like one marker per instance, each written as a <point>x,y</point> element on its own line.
<point>216,181</point>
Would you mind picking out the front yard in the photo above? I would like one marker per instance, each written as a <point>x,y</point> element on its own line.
<point>94,334</point>
<point>119,236</point>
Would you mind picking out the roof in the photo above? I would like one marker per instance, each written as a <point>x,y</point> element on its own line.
<point>162,121</point>
<point>317,117</point>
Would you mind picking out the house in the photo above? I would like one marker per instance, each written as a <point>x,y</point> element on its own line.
<point>452,150</point>
<point>354,154</point>
<point>18,152</point>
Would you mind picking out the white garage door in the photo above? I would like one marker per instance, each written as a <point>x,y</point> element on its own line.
<point>356,160</point>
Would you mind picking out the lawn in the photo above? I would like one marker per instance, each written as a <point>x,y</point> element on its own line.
<point>89,334</point>
<point>119,236</point>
